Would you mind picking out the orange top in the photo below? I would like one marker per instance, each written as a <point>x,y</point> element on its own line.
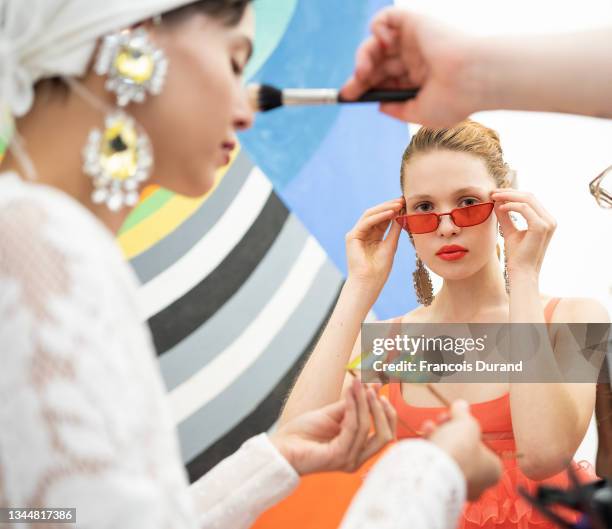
<point>499,506</point>
<point>321,500</point>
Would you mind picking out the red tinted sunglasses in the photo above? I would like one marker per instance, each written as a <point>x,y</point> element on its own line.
<point>462,217</point>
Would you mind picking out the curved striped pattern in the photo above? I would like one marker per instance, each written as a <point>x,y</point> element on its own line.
<point>235,288</point>
<point>341,158</point>
<point>234,296</point>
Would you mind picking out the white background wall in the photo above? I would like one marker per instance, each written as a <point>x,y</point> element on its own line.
<point>555,155</point>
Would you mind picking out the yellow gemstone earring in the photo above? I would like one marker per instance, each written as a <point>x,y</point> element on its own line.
<point>134,66</point>
<point>118,159</point>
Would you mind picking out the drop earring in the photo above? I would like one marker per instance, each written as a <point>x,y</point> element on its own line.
<point>134,66</point>
<point>118,159</point>
<point>421,280</point>
<point>422,283</point>
<point>506,277</point>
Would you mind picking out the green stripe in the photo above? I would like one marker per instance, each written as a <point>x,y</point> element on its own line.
<point>6,131</point>
<point>145,209</point>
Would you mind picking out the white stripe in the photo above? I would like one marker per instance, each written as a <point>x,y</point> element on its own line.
<point>223,371</point>
<point>210,250</point>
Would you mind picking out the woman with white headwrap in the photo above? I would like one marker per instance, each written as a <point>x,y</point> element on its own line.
<point>103,92</point>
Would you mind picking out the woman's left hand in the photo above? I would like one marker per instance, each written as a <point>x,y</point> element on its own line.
<point>338,437</point>
<point>525,249</point>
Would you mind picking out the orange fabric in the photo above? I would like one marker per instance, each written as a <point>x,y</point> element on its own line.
<point>321,500</point>
<point>500,506</point>
<point>550,308</point>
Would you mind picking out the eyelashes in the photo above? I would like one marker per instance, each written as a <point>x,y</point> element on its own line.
<point>474,201</point>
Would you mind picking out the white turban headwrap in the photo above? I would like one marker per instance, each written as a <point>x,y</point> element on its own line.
<point>47,38</point>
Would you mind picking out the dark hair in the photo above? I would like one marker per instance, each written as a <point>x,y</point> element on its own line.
<point>228,11</point>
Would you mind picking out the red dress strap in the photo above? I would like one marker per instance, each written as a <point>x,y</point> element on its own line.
<point>550,308</point>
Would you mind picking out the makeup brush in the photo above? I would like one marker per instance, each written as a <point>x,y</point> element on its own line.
<point>267,97</point>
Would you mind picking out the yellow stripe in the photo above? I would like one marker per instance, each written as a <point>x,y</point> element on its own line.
<point>169,217</point>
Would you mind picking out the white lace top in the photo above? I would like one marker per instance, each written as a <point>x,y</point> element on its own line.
<point>83,417</point>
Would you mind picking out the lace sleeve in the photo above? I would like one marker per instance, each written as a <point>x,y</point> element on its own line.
<point>415,485</point>
<point>241,487</point>
<point>82,406</point>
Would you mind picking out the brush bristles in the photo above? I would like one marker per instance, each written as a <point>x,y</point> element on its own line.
<point>264,97</point>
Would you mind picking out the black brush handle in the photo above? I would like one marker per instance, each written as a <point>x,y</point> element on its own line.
<point>383,96</point>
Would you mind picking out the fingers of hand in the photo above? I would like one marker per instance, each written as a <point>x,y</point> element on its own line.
<point>528,198</point>
<point>367,59</point>
<point>391,414</point>
<point>395,204</point>
<point>363,414</point>
<point>534,221</point>
<point>383,428</point>
<point>336,410</point>
<point>505,222</point>
<point>394,234</point>
<point>388,21</point>
<point>378,220</point>
<point>349,427</point>
<point>378,216</point>
<point>353,88</point>
<point>384,32</point>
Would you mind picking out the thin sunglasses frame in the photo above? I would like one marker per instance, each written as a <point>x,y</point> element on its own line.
<point>602,197</point>
<point>402,219</point>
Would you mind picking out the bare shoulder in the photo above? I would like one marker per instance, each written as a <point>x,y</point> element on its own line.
<point>580,310</point>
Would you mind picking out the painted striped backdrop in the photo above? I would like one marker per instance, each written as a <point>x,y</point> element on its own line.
<point>235,296</point>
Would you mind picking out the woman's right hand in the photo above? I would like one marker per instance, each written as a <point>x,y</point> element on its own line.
<point>369,254</point>
<point>338,436</point>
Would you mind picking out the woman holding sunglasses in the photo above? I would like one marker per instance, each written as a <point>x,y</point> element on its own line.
<point>456,198</point>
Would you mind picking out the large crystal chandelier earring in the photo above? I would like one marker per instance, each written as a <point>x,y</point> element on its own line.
<point>119,158</point>
<point>132,64</point>
<point>506,277</point>
<point>421,281</point>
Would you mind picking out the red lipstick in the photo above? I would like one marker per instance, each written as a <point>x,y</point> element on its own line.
<point>451,252</point>
<point>228,146</point>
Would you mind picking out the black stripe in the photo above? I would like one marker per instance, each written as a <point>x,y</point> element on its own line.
<point>179,319</point>
<point>262,418</point>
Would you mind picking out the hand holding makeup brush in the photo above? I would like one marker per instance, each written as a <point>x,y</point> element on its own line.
<point>408,50</point>
<point>459,74</point>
